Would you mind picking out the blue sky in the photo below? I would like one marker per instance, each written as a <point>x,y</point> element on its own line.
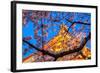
<point>53,29</point>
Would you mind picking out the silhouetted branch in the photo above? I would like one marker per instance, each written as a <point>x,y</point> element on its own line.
<point>56,56</point>
<point>77,22</point>
<point>76,49</point>
<point>41,50</point>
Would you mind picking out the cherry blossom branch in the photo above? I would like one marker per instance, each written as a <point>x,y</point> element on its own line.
<point>56,56</point>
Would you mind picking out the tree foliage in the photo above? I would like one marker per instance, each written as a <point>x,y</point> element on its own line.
<point>68,44</point>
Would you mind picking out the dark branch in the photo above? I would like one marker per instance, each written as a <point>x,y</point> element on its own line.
<point>56,56</point>
<point>81,23</point>
<point>76,49</point>
<point>77,22</point>
<point>43,51</point>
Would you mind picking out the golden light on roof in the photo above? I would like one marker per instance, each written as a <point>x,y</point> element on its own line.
<point>64,42</point>
<point>58,43</point>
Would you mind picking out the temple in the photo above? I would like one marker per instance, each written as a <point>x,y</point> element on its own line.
<point>63,41</point>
